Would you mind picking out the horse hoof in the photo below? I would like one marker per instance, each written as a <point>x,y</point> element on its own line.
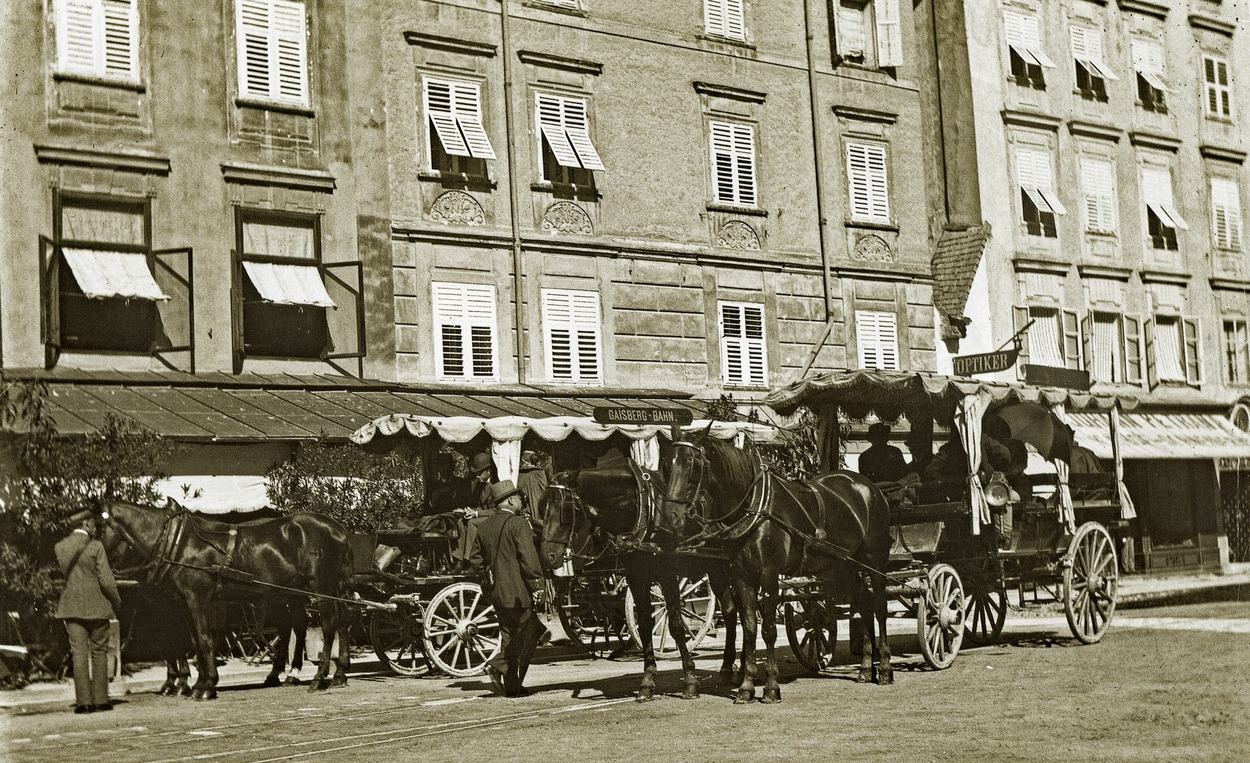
<point>271,680</point>
<point>318,684</point>
<point>168,690</point>
<point>185,691</point>
<point>885,678</point>
<point>690,694</point>
<point>771,696</point>
<point>291,681</point>
<point>338,681</point>
<point>644,695</point>
<point>864,677</point>
<point>744,697</point>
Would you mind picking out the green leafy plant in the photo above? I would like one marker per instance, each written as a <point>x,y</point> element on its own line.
<point>364,491</point>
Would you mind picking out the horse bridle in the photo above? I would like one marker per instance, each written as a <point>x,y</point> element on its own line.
<point>156,556</point>
<point>700,468</point>
<point>569,497</point>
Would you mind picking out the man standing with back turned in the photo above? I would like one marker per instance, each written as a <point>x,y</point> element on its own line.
<point>89,600</point>
<point>504,549</point>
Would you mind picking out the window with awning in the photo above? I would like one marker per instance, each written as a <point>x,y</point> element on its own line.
<point>281,294</point>
<point>288,284</point>
<point>102,274</point>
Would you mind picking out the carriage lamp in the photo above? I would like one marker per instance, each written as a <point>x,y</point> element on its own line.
<point>997,491</point>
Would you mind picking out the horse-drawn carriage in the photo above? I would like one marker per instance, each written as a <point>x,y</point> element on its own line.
<point>1048,532</point>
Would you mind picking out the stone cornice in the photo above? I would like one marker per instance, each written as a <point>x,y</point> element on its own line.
<point>1109,272</point>
<point>144,163</point>
<point>725,91</point>
<point>286,177</point>
<point>1219,26</point>
<point>1026,265</point>
<point>467,47</point>
<point>1164,277</point>
<point>858,114</point>
<point>1031,119</point>
<point>1230,284</point>
<point>1145,8</point>
<point>1155,141</point>
<point>1221,153</point>
<point>548,61</point>
<point>1095,130</point>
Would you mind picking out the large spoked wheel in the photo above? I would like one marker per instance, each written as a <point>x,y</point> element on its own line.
<point>461,631</point>
<point>698,614</point>
<point>812,629</point>
<point>940,617</point>
<point>1090,582</point>
<point>396,640</point>
<point>593,615</point>
<point>985,605</point>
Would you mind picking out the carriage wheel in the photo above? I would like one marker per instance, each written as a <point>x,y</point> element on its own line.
<point>593,616</point>
<point>396,639</point>
<point>985,606</point>
<point>1090,582</point>
<point>940,616</point>
<point>698,614</point>
<point>812,629</point>
<point>461,631</point>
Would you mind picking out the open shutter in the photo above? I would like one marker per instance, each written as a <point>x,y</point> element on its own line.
<point>1020,319</point>
<point>1193,351</point>
<point>344,282</point>
<point>1152,371</point>
<point>1132,349</point>
<point>79,36</point>
<point>291,54</point>
<point>467,106</point>
<point>889,33</point>
<point>551,125</point>
<point>577,126</point>
<point>174,332</point>
<point>1087,341</point>
<point>439,110</point>
<point>1071,339</point>
<point>50,292</point>
<point>121,38</point>
<point>236,311</point>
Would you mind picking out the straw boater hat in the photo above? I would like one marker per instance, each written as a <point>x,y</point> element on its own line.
<point>497,492</point>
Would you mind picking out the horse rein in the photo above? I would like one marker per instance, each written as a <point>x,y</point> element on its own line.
<point>157,557</point>
<point>569,497</point>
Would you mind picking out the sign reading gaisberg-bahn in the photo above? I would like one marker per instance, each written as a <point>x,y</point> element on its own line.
<point>643,415</point>
<point>986,363</point>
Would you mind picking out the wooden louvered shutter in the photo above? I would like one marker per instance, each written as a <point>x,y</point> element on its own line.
<point>273,55</point>
<point>1020,319</point>
<point>467,107</point>
<point>121,38</point>
<point>733,163</point>
<point>79,36</point>
<point>571,329</point>
<point>876,334</point>
<point>1132,349</point>
<point>1087,341</point>
<point>464,316</point>
<point>1152,371</point>
<point>867,186</point>
<point>1071,338</point>
<point>889,33</point>
<point>439,112</point>
<point>291,56</point>
<point>1192,347</point>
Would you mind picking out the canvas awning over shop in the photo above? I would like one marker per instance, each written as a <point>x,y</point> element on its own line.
<point>289,284</point>
<point>552,428</point>
<point>113,274</point>
<point>1163,435</point>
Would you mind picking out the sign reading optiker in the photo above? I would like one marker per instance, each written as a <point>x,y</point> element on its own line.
<point>987,363</point>
<point>623,415</point>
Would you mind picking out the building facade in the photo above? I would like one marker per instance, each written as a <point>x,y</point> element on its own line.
<point>254,222</point>
<point>1098,148</point>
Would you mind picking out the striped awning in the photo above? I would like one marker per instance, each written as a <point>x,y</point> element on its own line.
<point>1163,435</point>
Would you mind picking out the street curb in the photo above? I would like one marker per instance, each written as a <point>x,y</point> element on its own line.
<point>61,699</point>
<point>1238,590</point>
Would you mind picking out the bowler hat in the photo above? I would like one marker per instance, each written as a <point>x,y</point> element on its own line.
<point>481,462</point>
<point>879,432</point>
<point>497,492</point>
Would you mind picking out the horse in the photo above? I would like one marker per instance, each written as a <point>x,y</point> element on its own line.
<point>198,560</point>
<point>835,526</point>
<point>590,513</point>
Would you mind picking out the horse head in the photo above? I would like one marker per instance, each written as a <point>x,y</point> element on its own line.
<point>132,533</point>
<point>687,474</point>
<point>567,521</point>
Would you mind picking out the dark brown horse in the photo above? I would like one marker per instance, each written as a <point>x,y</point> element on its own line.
<point>835,527</point>
<point>199,560</point>
<point>592,513</point>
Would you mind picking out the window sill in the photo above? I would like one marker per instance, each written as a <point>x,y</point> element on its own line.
<point>726,41</point>
<point>1219,119</point>
<point>1102,235</point>
<point>572,190</point>
<point>553,8</point>
<point>91,79</point>
<point>730,209</point>
<point>1150,108</point>
<point>1026,83</point>
<point>745,387</point>
<point>1091,96</point>
<point>286,108</point>
<point>458,180</point>
<point>872,225</point>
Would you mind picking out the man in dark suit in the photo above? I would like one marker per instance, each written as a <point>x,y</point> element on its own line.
<point>89,601</point>
<point>504,549</point>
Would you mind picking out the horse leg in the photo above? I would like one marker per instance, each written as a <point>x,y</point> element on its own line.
<point>746,592</point>
<point>729,612</point>
<point>320,680</point>
<point>205,650</point>
<point>170,687</point>
<point>343,661</point>
<point>280,646</point>
<point>864,607</point>
<point>768,604</point>
<point>299,624</point>
<point>639,584</point>
<point>885,671</point>
<point>677,629</point>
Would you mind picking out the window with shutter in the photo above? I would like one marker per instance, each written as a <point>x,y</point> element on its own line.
<point>1107,351</point>
<point>1218,102</point>
<point>1131,328</point>
<point>733,163</point>
<point>1169,353</point>
<point>1024,45</point>
<point>464,317</point>
<point>854,32</point>
<point>876,337</point>
<point>1098,186</point>
<point>1226,213</point>
<point>564,128</point>
<point>889,33</point>
<point>1092,72</point>
<point>867,183</point>
<point>744,361</point>
<point>1236,351</point>
<point>98,38</point>
<point>1039,202</point>
<point>1162,218</point>
<point>571,331</point>
<point>724,18</point>
<point>1046,338</point>
<point>272,50</point>
<point>1148,66</point>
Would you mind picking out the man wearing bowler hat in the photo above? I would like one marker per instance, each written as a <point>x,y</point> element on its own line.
<point>482,474</point>
<point>513,580</point>
<point>89,601</point>
<point>882,462</point>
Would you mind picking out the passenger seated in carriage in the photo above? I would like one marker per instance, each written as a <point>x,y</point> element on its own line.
<point>882,462</point>
<point>1000,452</point>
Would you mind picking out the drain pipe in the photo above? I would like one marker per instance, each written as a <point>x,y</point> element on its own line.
<point>822,221</point>
<point>514,201</point>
